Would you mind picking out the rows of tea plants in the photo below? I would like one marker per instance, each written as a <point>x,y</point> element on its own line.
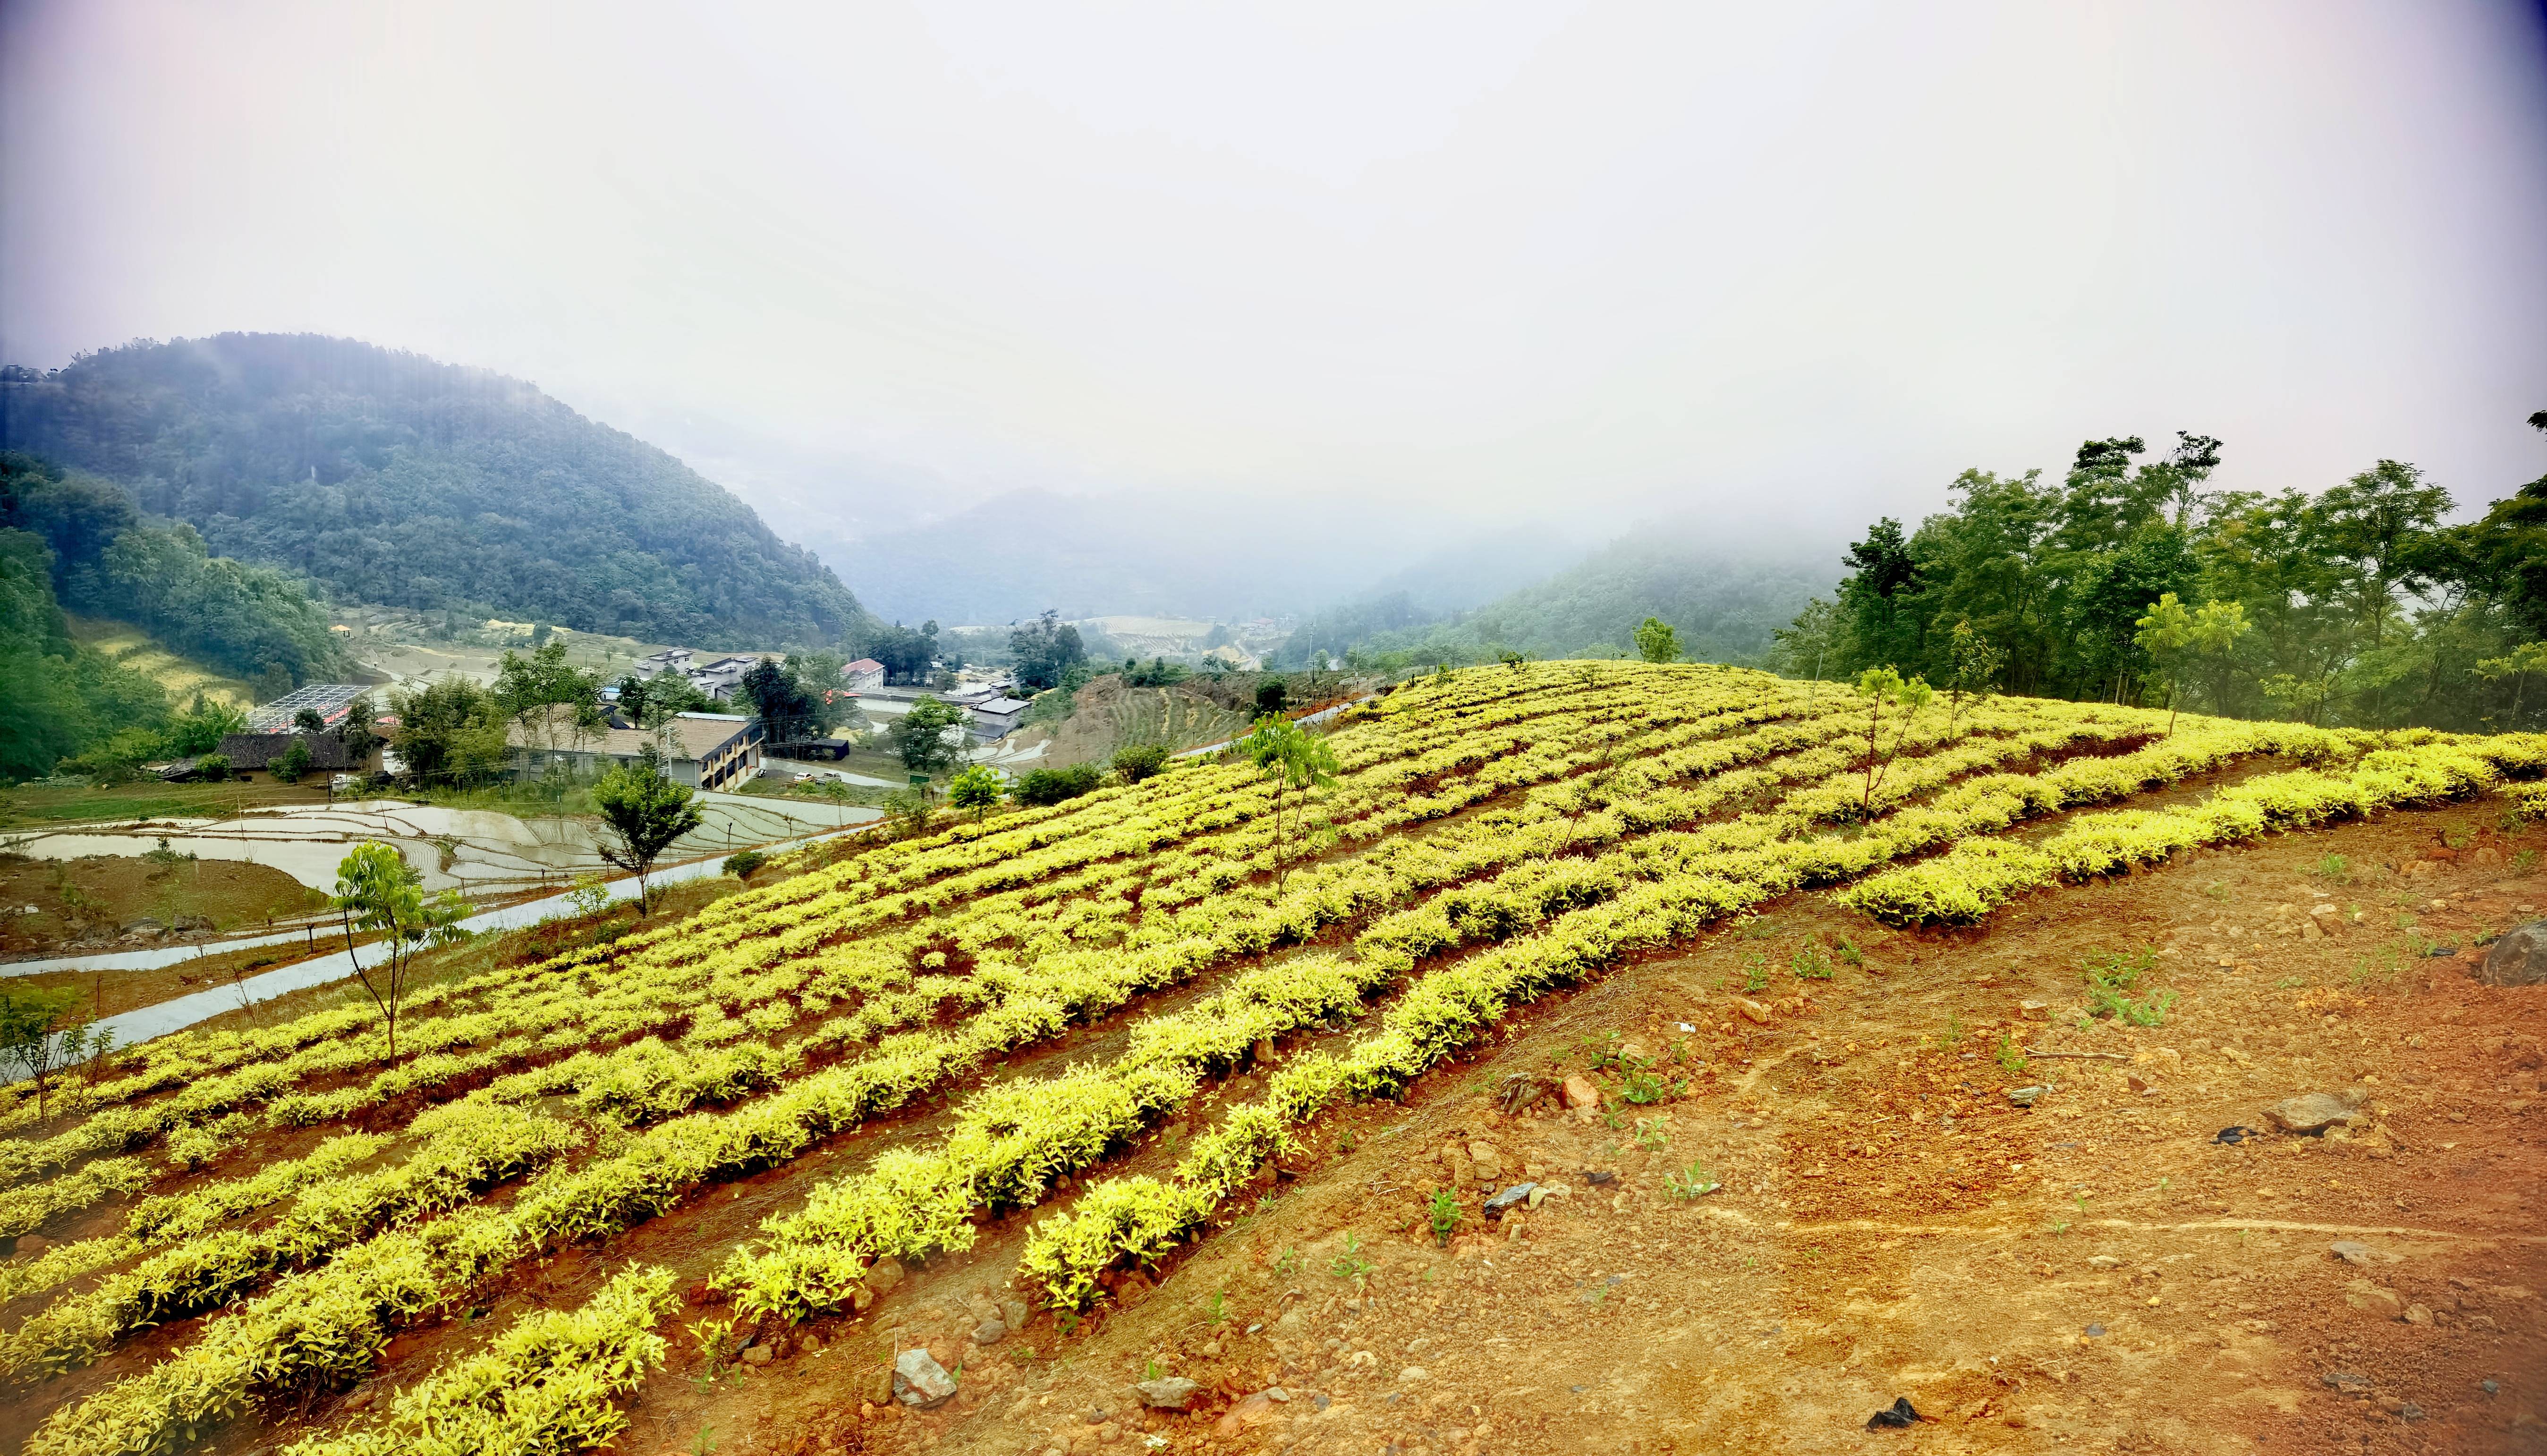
<point>1492,835</point>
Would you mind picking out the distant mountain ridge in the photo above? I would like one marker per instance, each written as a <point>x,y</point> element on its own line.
<point>386,477</point>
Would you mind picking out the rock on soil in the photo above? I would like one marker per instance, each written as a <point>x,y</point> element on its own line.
<point>2314,1112</point>
<point>1168,1392</point>
<point>921,1381</point>
<point>2517,959</point>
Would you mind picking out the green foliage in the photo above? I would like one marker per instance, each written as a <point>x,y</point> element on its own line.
<point>976,788</point>
<point>1047,786</point>
<point>2010,1057</point>
<point>1689,1183</point>
<point>44,1031</point>
<point>921,738</point>
<point>2333,867</point>
<point>450,732</point>
<point>554,706</point>
<point>1445,1214</point>
<point>378,893</point>
<point>742,865</point>
<point>1045,648</point>
<point>294,762</point>
<point>1138,761</point>
<point>646,811</point>
<point>2111,978</point>
<point>1657,641</point>
<point>1350,1264</point>
<point>392,478</point>
<point>2358,604</point>
<point>1811,963</point>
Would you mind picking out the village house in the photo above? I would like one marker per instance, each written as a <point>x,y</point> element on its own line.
<point>719,751</point>
<point>996,718</point>
<point>865,675</point>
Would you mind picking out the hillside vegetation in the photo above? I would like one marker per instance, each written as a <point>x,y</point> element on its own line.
<point>1491,837</point>
<point>133,650</point>
<point>391,478</point>
<point>1725,607</point>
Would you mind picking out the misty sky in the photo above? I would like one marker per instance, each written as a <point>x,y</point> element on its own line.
<point>1501,262</point>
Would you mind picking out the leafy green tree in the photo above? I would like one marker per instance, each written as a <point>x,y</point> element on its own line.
<point>44,1031</point>
<point>919,736</point>
<point>652,702</point>
<point>550,703</point>
<point>1045,650</point>
<point>789,706</point>
<point>292,763</point>
<point>1882,688</point>
<point>1137,761</point>
<point>1043,785</point>
<point>1295,761</point>
<point>2518,664</point>
<point>1656,641</point>
<point>646,811</point>
<point>1975,665</point>
<point>977,788</point>
<point>451,732</point>
<point>378,892</point>
<point>1271,696</point>
<point>307,720</point>
<point>2174,636</point>
<point>213,768</point>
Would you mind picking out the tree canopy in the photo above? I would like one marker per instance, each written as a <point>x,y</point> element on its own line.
<point>393,479</point>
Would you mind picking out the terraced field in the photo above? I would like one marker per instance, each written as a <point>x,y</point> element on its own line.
<point>893,1050</point>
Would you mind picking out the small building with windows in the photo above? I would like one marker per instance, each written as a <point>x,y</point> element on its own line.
<point>715,751</point>
<point>865,675</point>
<point>996,718</point>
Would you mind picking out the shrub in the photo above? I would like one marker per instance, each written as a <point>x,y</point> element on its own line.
<point>1140,761</point>
<point>1048,786</point>
<point>741,865</point>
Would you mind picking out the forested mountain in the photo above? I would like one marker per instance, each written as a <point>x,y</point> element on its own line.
<point>2129,580</point>
<point>1724,600</point>
<point>103,560</point>
<point>390,477</point>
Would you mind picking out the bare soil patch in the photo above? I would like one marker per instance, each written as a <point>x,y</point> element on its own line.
<point>2095,1273</point>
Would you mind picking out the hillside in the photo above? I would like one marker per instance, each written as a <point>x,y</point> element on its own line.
<point>391,478</point>
<point>1193,554</point>
<point>133,650</point>
<point>1724,600</point>
<point>1798,1082</point>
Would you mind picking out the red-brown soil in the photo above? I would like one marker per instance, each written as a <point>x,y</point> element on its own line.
<point>1890,1224</point>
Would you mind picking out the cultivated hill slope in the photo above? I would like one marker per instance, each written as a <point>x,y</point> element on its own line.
<point>393,479</point>
<point>1127,1009</point>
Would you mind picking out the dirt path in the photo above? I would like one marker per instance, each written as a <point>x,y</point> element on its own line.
<point>2096,1272</point>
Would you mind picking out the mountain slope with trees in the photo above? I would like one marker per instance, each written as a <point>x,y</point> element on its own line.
<point>389,477</point>
<point>1724,604</point>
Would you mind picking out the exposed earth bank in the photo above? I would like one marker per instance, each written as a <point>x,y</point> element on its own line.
<point>2100,1270</point>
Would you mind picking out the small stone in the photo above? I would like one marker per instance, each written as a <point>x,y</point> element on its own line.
<point>2104,1262</point>
<point>2095,1332</point>
<point>759,1355</point>
<point>1256,1410</point>
<point>1095,1416</point>
<point>2136,1081</point>
<point>2353,1252</point>
<point>980,1306</point>
<point>1413,1375</point>
<point>1167,1392</point>
<point>1516,1193</point>
<point>2408,1410</point>
<point>2314,1112</point>
<point>1012,1313</point>
<point>2025,1096</point>
<point>2035,1010</point>
<point>920,1381</point>
<point>2346,1382</point>
<point>884,1275</point>
<point>2371,1299</point>
<point>990,1332</point>
<point>2391,1405</point>
<point>1751,1010</point>
<point>1581,1095</point>
<point>2417,1314</point>
<point>33,1243</point>
<point>2519,958</point>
